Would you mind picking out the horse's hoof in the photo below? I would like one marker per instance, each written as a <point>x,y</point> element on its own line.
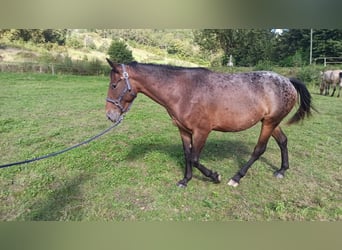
<point>233,183</point>
<point>279,175</point>
<point>181,184</point>
<point>216,177</point>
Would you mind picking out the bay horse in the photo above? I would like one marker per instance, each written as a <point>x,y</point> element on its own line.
<point>331,77</point>
<point>199,100</point>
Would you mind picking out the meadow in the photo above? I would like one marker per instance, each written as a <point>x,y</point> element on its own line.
<point>130,174</point>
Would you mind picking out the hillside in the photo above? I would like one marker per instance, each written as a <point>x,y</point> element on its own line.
<point>83,45</point>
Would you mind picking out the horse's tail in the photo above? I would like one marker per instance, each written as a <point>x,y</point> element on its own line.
<point>305,102</point>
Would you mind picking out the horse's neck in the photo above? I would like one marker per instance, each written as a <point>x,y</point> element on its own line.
<point>155,89</point>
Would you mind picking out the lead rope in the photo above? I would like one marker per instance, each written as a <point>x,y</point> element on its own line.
<point>66,149</point>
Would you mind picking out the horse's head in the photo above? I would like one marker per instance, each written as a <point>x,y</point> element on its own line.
<point>120,92</point>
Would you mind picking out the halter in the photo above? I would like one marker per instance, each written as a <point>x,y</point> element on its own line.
<point>128,88</point>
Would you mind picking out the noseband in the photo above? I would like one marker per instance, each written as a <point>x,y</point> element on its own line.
<point>128,88</point>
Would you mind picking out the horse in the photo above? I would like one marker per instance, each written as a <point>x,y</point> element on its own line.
<point>199,101</point>
<point>331,77</point>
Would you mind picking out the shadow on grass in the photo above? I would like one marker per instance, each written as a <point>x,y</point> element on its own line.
<point>65,203</point>
<point>61,204</point>
<point>214,150</point>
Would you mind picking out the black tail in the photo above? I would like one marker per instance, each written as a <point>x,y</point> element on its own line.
<point>305,105</point>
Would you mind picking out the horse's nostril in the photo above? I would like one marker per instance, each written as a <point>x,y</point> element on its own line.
<point>112,116</point>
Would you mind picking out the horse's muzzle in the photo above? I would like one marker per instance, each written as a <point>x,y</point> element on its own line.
<point>113,116</point>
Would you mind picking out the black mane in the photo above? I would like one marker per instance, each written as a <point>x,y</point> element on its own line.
<point>163,67</point>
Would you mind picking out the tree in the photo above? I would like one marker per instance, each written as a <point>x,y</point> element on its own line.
<point>247,46</point>
<point>293,46</point>
<point>55,36</point>
<point>327,43</point>
<point>254,46</point>
<point>37,36</point>
<point>118,52</point>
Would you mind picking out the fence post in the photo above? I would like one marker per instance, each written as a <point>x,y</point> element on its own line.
<point>52,69</point>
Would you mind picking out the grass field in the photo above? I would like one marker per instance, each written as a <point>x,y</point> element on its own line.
<point>130,174</point>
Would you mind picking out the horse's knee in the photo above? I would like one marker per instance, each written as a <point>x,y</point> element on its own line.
<point>282,142</point>
<point>259,150</point>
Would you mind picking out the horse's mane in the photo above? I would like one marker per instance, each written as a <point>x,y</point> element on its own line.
<point>163,67</point>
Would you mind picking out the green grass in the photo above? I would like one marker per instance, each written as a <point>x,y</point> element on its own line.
<point>130,174</point>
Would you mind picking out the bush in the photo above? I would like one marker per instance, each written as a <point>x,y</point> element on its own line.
<point>264,65</point>
<point>308,74</point>
<point>119,53</point>
<point>73,42</point>
<point>179,48</point>
<point>296,60</point>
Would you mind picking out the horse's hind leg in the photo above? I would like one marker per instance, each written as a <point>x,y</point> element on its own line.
<point>266,132</point>
<point>281,139</point>
<point>339,90</point>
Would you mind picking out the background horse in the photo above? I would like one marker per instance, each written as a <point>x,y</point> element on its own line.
<point>331,77</point>
<point>199,101</point>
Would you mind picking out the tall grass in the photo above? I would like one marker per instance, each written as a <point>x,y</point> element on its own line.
<point>131,173</point>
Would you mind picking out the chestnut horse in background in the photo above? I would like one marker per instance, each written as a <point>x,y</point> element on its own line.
<point>199,101</point>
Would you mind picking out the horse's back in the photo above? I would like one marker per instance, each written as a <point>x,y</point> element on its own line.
<point>243,99</point>
<point>332,76</point>
<point>256,83</point>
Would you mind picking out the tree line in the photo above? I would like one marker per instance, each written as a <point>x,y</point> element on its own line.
<point>37,36</point>
<point>252,46</point>
<point>248,47</point>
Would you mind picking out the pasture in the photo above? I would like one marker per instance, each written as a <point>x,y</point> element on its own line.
<point>130,174</point>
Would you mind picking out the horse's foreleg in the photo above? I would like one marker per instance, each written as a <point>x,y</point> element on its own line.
<point>321,88</point>
<point>281,139</point>
<point>327,89</point>
<point>198,141</point>
<point>193,146</point>
<point>186,140</point>
<point>259,149</point>
<point>334,89</point>
<point>214,176</point>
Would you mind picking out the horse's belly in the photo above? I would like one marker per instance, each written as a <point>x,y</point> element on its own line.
<point>234,123</point>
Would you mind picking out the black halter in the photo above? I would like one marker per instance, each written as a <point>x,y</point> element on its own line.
<point>128,88</point>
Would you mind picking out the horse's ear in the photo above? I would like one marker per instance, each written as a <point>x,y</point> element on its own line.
<point>112,65</point>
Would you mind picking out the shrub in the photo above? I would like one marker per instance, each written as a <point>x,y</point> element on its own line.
<point>308,74</point>
<point>73,42</point>
<point>264,65</point>
<point>118,52</point>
